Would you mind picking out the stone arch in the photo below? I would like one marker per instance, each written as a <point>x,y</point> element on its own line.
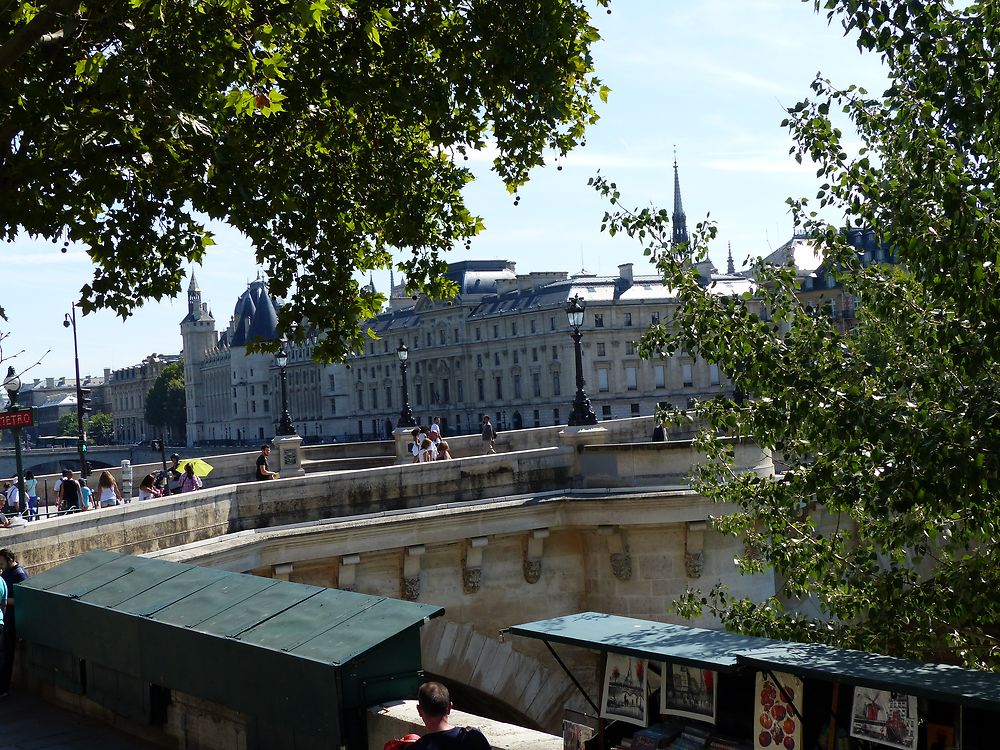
<point>528,690</point>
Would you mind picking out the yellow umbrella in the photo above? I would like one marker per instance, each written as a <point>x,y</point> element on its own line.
<point>201,468</point>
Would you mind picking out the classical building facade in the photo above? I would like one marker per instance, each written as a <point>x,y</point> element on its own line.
<point>501,348</point>
<point>126,389</point>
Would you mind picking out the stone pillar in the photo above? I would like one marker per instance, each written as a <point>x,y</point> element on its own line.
<point>576,438</point>
<point>411,572</point>
<point>533,550</point>
<point>282,572</point>
<point>348,572</point>
<point>472,565</point>
<point>694,548</point>
<point>289,450</point>
<point>403,439</point>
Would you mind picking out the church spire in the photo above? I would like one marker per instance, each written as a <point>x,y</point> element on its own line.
<point>679,219</point>
<point>730,267</point>
<point>392,282</point>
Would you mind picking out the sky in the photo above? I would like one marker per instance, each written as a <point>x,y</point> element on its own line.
<point>710,78</point>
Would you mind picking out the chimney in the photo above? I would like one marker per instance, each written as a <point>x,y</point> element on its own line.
<point>625,272</point>
<point>50,382</point>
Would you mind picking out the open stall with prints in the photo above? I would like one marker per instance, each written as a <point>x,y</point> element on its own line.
<point>672,686</point>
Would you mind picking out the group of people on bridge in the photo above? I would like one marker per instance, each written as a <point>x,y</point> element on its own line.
<point>428,445</point>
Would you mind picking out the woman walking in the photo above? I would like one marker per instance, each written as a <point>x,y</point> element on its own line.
<point>108,493</point>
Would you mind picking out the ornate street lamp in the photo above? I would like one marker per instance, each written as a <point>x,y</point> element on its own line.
<point>12,384</point>
<point>582,414</point>
<point>81,435</point>
<point>285,426</point>
<point>406,413</point>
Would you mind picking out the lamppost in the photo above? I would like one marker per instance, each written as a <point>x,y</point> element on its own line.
<point>406,413</point>
<point>81,436</point>
<point>582,414</point>
<point>285,426</point>
<point>12,384</point>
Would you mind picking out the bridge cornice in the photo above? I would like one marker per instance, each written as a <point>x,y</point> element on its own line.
<point>446,523</point>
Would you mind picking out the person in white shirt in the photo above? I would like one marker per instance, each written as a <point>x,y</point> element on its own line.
<point>12,503</point>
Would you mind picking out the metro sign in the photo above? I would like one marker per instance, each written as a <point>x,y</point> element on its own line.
<point>20,418</point>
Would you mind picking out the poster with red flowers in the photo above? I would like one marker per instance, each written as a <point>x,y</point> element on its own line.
<point>689,692</point>
<point>625,690</point>
<point>778,704</point>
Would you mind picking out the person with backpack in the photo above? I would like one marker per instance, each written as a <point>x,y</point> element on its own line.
<point>69,493</point>
<point>434,707</point>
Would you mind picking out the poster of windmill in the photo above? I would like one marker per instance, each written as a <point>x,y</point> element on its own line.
<point>625,690</point>
<point>886,717</point>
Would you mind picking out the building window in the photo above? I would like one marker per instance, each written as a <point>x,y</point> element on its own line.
<point>659,372</point>
<point>601,350</point>
<point>552,324</point>
<point>496,359</point>
<point>517,386</point>
<point>385,347</point>
<point>833,308</point>
<point>429,339</point>
<point>628,320</point>
<point>635,409</point>
<point>630,347</point>
<point>446,390</point>
<point>267,406</point>
<point>534,354</point>
<point>333,406</point>
<point>456,335</point>
<point>555,353</point>
<point>686,375</point>
<point>531,325</point>
<point>251,389</point>
<point>499,382</point>
<point>388,397</point>
<point>361,400</point>
<point>479,361</point>
<point>374,398</point>
<point>631,382</point>
<point>253,407</point>
<point>556,385</point>
<point>441,337</point>
<point>479,388</point>
<point>654,319</point>
<point>598,320</point>
<point>418,389</point>
<point>479,334</point>
<point>536,384</point>
<point>555,416</point>
<point>602,380</point>
<point>460,388</point>
<point>496,332</point>
<point>513,328</point>
<point>713,374</point>
<point>537,419</point>
<point>517,357</point>
<point>606,411</point>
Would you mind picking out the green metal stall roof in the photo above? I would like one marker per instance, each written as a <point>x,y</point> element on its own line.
<point>942,682</point>
<point>730,652</point>
<point>696,647</point>
<point>329,626</point>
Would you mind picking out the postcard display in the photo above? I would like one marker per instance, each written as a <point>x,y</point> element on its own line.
<point>690,693</point>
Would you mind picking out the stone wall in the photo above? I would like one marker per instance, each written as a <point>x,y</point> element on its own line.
<point>496,563</point>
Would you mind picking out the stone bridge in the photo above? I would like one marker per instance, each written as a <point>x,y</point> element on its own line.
<point>582,524</point>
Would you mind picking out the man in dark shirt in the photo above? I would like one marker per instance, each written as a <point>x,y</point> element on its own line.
<point>263,473</point>
<point>12,573</point>
<point>69,492</point>
<point>434,706</point>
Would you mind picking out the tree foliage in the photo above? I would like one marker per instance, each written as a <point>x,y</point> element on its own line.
<point>101,429</point>
<point>166,401</point>
<point>327,133</point>
<point>885,519</point>
<point>67,424</point>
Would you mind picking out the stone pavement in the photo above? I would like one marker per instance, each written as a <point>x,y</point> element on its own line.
<point>28,723</point>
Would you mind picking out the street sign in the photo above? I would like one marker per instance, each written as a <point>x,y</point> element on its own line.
<point>20,418</point>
